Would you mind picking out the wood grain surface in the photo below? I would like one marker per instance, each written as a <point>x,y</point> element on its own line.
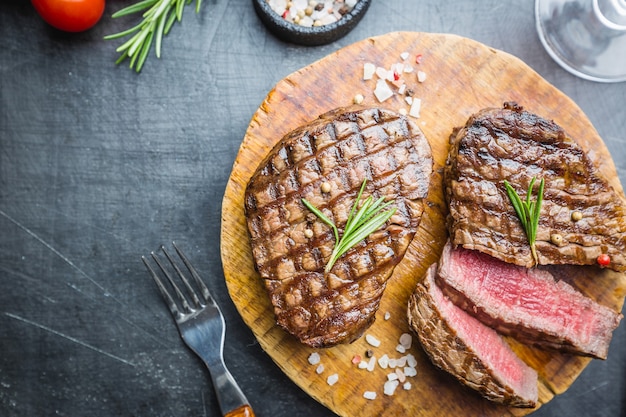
<point>463,76</point>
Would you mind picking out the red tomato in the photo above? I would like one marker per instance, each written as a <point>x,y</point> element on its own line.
<point>70,15</point>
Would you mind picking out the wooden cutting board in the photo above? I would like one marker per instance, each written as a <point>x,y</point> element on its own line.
<point>463,76</point>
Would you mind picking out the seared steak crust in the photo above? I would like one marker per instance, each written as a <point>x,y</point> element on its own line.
<point>462,346</point>
<point>341,148</point>
<point>515,145</point>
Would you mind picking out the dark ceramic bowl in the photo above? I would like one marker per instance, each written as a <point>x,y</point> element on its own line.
<point>309,36</point>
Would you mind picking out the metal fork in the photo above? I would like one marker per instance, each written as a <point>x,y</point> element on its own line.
<point>202,327</point>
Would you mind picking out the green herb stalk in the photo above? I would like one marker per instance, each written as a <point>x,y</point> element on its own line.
<point>158,18</point>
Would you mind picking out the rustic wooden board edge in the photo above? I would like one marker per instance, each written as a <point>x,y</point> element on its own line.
<point>286,93</point>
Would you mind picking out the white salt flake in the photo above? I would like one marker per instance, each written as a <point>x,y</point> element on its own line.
<point>393,363</point>
<point>390,387</point>
<point>314,358</point>
<point>406,340</point>
<point>362,365</point>
<point>368,71</point>
<point>400,349</point>
<point>387,315</point>
<point>415,108</point>
<point>319,369</point>
<point>382,73</point>
<point>372,340</point>
<point>409,100</point>
<point>402,89</point>
<point>404,56</point>
<point>410,372</point>
<point>392,376</point>
<point>382,91</point>
<point>332,379</point>
<point>383,362</point>
<point>369,395</point>
<point>371,364</point>
<point>411,361</point>
<point>421,76</point>
<point>401,362</point>
<point>408,69</point>
<point>407,385</point>
<point>401,376</point>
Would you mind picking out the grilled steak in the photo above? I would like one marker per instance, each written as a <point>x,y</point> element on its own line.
<point>514,145</point>
<point>472,352</point>
<point>528,304</point>
<point>340,149</point>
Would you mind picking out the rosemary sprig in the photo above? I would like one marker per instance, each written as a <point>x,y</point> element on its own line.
<point>528,212</point>
<point>158,18</point>
<point>362,221</point>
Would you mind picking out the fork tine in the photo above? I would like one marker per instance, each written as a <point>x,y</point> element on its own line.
<point>164,292</point>
<point>183,278</point>
<point>181,297</point>
<point>205,291</point>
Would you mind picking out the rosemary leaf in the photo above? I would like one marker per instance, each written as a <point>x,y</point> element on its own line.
<point>158,16</point>
<point>528,212</point>
<point>364,219</point>
<point>322,217</point>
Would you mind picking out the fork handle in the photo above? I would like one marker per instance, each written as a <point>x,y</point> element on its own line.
<point>243,411</point>
<point>230,397</point>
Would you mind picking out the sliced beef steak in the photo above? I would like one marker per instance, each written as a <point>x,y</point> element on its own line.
<point>514,145</point>
<point>472,352</point>
<point>528,304</point>
<point>339,150</point>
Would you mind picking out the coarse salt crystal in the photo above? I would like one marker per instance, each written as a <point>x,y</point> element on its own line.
<point>392,376</point>
<point>408,68</point>
<point>387,315</point>
<point>409,100</point>
<point>332,379</point>
<point>404,56</point>
<point>401,376</point>
<point>411,361</point>
<point>393,363</point>
<point>402,89</point>
<point>401,362</point>
<point>415,108</point>
<point>406,340</point>
<point>382,91</point>
<point>363,364</point>
<point>407,385</point>
<point>408,371</point>
<point>319,369</point>
<point>358,99</point>
<point>383,362</point>
<point>403,111</point>
<point>314,358</point>
<point>421,76</point>
<point>400,349</point>
<point>371,364</point>
<point>369,395</point>
<point>368,70</point>
<point>372,340</point>
<point>390,387</point>
<point>382,73</point>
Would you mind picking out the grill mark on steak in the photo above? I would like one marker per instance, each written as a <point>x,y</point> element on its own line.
<point>462,346</point>
<point>342,147</point>
<point>515,145</point>
<point>528,304</point>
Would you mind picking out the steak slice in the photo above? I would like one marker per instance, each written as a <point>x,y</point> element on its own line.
<point>473,353</point>
<point>340,148</point>
<point>515,145</point>
<point>528,304</point>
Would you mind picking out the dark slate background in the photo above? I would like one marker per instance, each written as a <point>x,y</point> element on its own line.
<point>99,165</point>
